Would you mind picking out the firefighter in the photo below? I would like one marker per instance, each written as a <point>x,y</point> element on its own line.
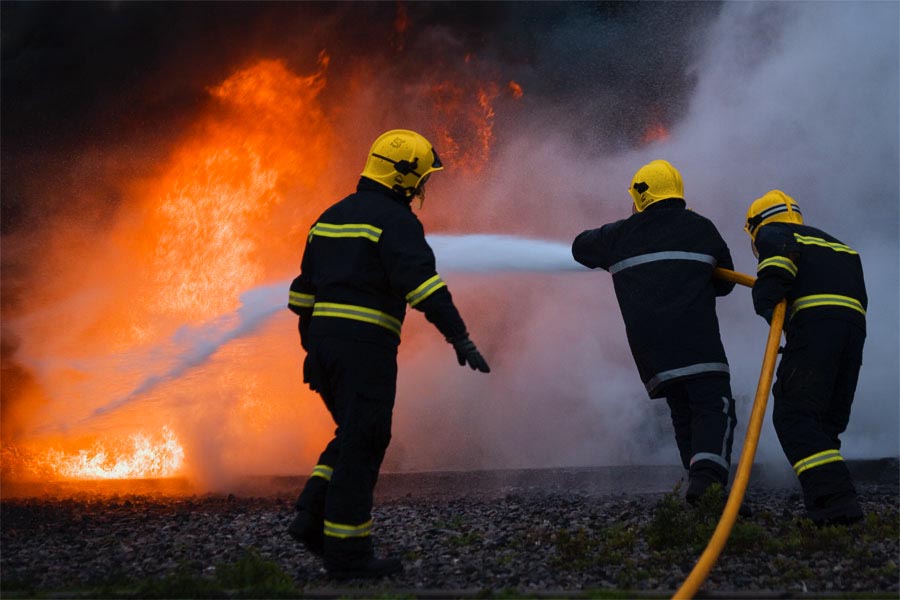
<point>661,260</point>
<point>822,280</point>
<point>365,259</point>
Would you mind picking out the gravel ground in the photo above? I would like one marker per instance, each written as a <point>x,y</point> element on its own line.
<point>513,541</point>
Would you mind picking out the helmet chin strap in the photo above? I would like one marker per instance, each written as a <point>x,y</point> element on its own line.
<point>410,194</point>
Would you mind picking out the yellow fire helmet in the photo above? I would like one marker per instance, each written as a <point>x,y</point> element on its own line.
<point>655,181</point>
<point>774,206</point>
<point>402,160</point>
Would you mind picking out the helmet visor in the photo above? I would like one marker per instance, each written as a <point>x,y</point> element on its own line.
<point>420,189</point>
<point>437,161</point>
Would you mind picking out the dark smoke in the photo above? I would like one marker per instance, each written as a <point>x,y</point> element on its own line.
<point>88,76</point>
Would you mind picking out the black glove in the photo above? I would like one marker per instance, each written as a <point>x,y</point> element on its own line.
<point>466,352</point>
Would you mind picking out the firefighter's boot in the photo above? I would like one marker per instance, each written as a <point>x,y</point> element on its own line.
<point>307,529</point>
<point>835,509</point>
<point>354,558</point>
<point>701,481</point>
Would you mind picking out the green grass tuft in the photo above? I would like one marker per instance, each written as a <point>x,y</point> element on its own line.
<point>574,549</point>
<point>255,575</point>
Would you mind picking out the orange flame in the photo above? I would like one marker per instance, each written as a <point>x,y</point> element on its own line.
<point>458,123</point>
<point>225,182</point>
<point>142,458</point>
<point>485,131</point>
<point>515,89</point>
<point>401,22</point>
<point>655,133</point>
<point>226,212</point>
<point>208,228</point>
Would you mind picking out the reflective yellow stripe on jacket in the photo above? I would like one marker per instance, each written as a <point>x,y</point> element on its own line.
<point>350,230</point>
<point>301,300</point>
<point>782,262</point>
<point>323,471</point>
<point>357,313</point>
<point>814,241</point>
<point>826,300</point>
<point>341,530</point>
<point>817,460</point>
<point>426,289</point>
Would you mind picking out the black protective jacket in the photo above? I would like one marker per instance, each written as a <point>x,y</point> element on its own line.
<point>366,258</point>
<point>820,276</point>
<point>662,262</point>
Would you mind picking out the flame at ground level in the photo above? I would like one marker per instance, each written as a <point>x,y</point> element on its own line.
<point>139,457</point>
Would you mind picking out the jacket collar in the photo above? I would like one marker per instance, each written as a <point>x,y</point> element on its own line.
<point>667,203</point>
<point>367,185</point>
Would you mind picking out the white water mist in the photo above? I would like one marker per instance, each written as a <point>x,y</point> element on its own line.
<point>191,346</point>
<point>484,253</point>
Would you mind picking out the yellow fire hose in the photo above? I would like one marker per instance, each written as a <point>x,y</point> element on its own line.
<point>720,536</point>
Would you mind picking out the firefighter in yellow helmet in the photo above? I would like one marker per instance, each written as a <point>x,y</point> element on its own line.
<point>366,259</point>
<point>822,280</point>
<point>661,260</point>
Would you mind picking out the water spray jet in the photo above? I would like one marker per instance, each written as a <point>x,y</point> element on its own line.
<point>479,253</point>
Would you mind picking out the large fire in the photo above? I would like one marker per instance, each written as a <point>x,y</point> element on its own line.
<point>224,214</point>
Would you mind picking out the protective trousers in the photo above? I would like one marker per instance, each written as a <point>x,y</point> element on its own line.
<point>703,416</point>
<point>357,382</point>
<point>814,390</point>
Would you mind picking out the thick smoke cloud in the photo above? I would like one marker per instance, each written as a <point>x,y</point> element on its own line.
<point>753,96</point>
<point>800,97</point>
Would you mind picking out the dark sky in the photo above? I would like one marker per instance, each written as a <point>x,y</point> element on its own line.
<point>77,76</point>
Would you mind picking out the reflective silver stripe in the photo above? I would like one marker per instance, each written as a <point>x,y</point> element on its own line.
<point>357,313</point>
<point>729,425</point>
<point>301,300</point>
<point>684,371</point>
<point>778,261</point>
<point>710,456</point>
<point>720,459</point>
<point>778,208</point>
<point>369,232</point>
<point>341,530</point>
<point>826,300</point>
<point>809,240</point>
<point>323,471</point>
<point>817,460</point>
<point>655,256</point>
<point>753,223</point>
<point>430,286</point>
